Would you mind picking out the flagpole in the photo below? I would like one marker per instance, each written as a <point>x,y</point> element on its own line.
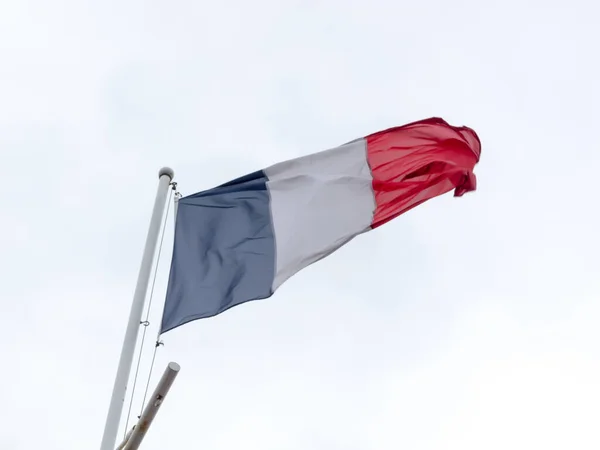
<point>135,315</point>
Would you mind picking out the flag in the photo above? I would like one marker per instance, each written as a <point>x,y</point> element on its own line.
<point>240,241</point>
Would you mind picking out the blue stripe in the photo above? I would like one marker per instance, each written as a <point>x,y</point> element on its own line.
<point>224,251</point>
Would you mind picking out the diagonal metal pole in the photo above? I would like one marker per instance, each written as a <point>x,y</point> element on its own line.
<point>137,306</point>
<point>135,437</point>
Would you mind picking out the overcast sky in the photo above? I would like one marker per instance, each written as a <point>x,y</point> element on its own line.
<point>467,323</point>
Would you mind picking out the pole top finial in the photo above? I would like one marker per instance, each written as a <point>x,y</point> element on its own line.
<point>166,171</point>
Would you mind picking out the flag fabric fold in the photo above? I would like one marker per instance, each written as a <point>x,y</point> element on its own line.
<point>240,241</point>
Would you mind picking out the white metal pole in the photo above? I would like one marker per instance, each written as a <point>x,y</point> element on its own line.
<point>124,443</point>
<point>140,430</point>
<point>137,307</point>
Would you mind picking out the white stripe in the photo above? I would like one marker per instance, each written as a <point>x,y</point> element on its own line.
<point>318,203</point>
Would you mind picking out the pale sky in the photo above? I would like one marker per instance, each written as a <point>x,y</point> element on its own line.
<point>465,324</point>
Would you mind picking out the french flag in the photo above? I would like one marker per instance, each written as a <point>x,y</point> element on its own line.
<point>240,241</point>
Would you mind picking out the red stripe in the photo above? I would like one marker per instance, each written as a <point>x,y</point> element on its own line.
<point>416,162</point>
